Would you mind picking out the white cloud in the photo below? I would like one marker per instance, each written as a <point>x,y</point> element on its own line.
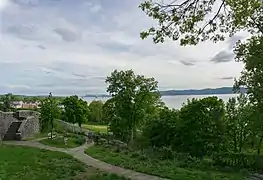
<point>69,47</point>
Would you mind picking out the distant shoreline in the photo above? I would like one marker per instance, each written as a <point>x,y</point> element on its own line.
<point>207,91</point>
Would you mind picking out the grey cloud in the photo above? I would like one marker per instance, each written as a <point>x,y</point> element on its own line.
<point>226,78</point>
<point>79,75</point>
<point>188,63</point>
<point>66,34</point>
<point>223,56</point>
<point>26,3</point>
<point>22,31</point>
<point>41,47</point>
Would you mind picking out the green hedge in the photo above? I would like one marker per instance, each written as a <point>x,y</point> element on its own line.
<point>239,160</point>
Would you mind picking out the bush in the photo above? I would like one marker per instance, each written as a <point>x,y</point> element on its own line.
<point>239,160</point>
<point>80,140</point>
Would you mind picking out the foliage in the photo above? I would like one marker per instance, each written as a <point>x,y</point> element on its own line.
<point>49,112</point>
<point>239,160</point>
<point>250,53</point>
<point>96,111</point>
<point>201,126</point>
<point>76,110</point>
<point>161,131</point>
<point>133,97</point>
<point>239,114</point>
<point>180,168</point>
<point>6,100</point>
<point>194,21</point>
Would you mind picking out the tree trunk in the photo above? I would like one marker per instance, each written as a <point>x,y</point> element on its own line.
<point>259,144</point>
<point>131,140</point>
<point>52,126</point>
<point>235,143</point>
<point>241,140</point>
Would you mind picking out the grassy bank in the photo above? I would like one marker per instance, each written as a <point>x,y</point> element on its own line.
<point>72,141</point>
<point>95,128</point>
<point>164,168</point>
<point>19,162</point>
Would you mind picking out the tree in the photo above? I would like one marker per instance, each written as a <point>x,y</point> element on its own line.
<point>192,21</point>
<point>201,126</point>
<point>239,121</point>
<point>251,53</point>
<point>76,110</point>
<point>133,97</point>
<point>49,112</point>
<point>7,101</point>
<point>96,111</point>
<point>161,131</point>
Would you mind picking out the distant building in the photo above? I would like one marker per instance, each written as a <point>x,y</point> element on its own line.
<point>24,105</point>
<point>17,104</point>
<point>30,105</point>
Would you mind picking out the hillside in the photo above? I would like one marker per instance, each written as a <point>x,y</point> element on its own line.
<point>222,90</point>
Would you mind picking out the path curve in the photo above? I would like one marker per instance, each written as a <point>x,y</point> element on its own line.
<point>79,154</point>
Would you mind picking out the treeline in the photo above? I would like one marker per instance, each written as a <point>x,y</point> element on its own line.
<point>71,109</point>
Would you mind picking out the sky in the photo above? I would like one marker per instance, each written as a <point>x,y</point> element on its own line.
<point>70,46</point>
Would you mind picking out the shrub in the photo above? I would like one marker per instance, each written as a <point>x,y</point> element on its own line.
<point>239,160</point>
<point>80,140</point>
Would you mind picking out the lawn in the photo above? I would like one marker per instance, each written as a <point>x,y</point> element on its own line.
<point>95,128</point>
<point>163,168</point>
<point>72,141</point>
<point>26,163</point>
<point>36,136</point>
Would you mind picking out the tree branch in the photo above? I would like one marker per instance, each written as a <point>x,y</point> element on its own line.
<point>214,18</point>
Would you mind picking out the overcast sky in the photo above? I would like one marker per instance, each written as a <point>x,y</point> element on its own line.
<point>70,46</point>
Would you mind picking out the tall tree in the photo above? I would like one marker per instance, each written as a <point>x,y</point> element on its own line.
<point>49,112</point>
<point>251,53</point>
<point>96,111</point>
<point>76,110</point>
<point>192,21</point>
<point>239,120</point>
<point>133,97</point>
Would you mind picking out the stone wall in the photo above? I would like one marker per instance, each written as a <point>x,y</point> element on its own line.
<point>65,126</point>
<point>6,119</point>
<point>27,113</point>
<point>29,126</point>
<point>30,122</point>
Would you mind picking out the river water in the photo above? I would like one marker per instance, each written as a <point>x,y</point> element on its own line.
<point>176,101</point>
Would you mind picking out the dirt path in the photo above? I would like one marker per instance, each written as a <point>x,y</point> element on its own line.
<point>79,154</point>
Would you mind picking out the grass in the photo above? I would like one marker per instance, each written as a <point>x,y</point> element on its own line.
<point>163,168</point>
<point>36,136</point>
<point>72,142</point>
<point>95,128</point>
<point>26,163</point>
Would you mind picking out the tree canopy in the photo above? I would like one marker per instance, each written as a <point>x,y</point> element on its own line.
<point>194,21</point>
<point>96,111</point>
<point>76,110</point>
<point>49,112</point>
